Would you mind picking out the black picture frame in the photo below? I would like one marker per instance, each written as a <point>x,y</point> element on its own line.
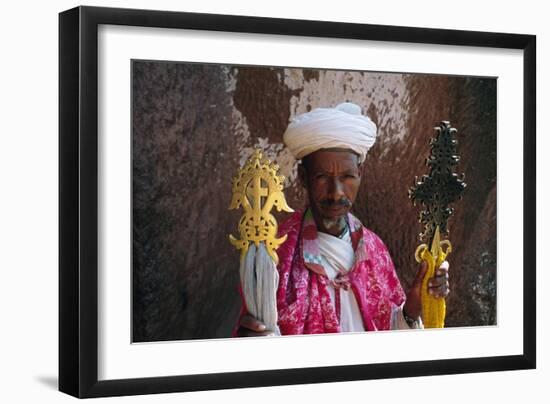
<point>78,200</point>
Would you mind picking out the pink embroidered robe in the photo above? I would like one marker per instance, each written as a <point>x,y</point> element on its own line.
<point>303,302</point>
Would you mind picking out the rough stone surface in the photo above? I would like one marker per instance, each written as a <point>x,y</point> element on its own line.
<point>194,124</point>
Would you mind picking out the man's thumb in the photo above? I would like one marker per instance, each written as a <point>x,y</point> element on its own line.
<point>420,273</point>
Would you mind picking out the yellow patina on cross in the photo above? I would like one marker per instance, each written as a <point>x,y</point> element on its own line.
<point>257,224</point>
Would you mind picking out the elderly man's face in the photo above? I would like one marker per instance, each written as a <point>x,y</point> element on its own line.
<point>332,178</point>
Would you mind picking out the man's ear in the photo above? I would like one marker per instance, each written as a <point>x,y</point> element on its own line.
<point>302,175</point>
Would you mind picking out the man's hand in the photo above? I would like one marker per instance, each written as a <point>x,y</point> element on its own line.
<point>251,327</point>
<point>438,286</point>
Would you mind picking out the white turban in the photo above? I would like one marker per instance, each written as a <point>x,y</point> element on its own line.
<point>322,128</point>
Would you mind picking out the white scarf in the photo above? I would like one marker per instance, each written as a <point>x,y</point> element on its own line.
<point>337,255</point>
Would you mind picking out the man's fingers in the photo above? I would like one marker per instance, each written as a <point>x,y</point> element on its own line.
<point>438,286</point>
<point>441,273</point>
<point>251,327</point>
<point>437,281</point>
<point>440,290</point>
<point>249,322</point>
<point>244,332</point>
<point>443,269</point>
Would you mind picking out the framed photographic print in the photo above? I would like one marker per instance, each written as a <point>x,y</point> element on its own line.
<point>161,115</point>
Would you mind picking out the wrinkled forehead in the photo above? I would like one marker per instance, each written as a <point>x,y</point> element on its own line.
<point>333,158</point>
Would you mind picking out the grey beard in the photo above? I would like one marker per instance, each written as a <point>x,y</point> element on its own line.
<point>338,223</point>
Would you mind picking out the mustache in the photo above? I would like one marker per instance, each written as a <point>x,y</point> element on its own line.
<point>328,203</point>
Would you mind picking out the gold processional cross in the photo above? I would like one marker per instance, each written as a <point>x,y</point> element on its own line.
<point>258,188</point>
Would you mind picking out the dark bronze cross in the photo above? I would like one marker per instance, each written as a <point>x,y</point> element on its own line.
<point>442,186</point>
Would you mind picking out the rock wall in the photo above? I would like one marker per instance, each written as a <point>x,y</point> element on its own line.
<point>195,124</point>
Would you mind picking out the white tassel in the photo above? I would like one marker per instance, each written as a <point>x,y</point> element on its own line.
<point>260,280</point>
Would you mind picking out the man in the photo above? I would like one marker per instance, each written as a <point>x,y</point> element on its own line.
<point>335,275</point>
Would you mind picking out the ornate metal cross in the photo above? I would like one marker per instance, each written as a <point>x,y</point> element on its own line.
<point>436,191</point>
<point>441,187</point>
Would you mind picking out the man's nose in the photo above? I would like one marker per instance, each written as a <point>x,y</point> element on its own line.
<point>335,189</point>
